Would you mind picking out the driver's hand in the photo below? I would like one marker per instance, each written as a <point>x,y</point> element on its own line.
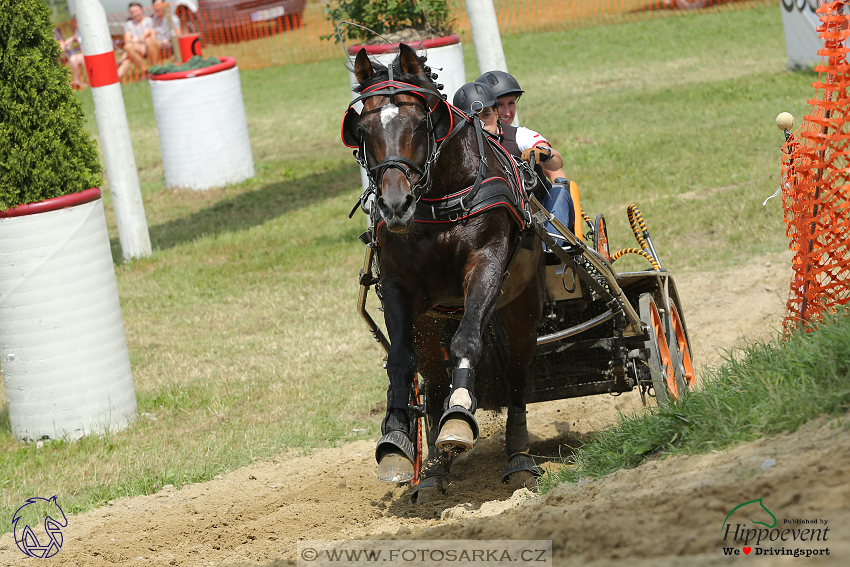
<point>541,153</point>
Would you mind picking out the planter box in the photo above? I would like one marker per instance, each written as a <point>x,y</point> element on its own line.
<point>444,53</point>
<point>63,352</point>
<point>203,133</point>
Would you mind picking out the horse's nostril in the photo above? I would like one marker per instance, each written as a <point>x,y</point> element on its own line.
<point>382,204</point>
<point>409,200</point>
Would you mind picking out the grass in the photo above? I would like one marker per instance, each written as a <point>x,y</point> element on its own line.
<point>242,332</point>
<point>765,389</point>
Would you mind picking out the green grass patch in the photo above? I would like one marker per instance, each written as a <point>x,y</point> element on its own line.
<point>767,388</point>
<point>242,330</point>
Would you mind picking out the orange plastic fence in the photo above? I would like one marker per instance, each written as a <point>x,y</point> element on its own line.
<point>816,183</point>
<point>259,37</point>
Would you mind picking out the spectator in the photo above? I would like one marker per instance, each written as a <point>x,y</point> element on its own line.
<point>164,31</point>
<point>73,52</point>
<point>139,40</point>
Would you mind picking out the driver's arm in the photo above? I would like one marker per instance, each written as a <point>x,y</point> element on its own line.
<point>554,163</point>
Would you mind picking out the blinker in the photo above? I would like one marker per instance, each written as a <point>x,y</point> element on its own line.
<point>349,128</point>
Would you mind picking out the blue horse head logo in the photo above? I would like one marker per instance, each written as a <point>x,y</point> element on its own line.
<point>27,541</point>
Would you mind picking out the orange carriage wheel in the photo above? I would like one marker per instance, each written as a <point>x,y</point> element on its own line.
<point>600,237</point>
<point>679,341</point>
<point>659,360</point>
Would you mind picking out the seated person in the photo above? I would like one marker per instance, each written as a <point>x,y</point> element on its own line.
<point>507,91</point>
<point>139,40</point>
<point>72,49</point>
<point>477,99</point>
<point>164,32</point>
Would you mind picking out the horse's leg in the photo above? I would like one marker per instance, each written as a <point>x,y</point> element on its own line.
<point>436,470</point>
<point>395,451</point>
<point>521,317</point>
<point>429,335</point>
<point>482,287</point>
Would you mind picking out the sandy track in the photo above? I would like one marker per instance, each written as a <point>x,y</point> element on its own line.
<point>663,513</point>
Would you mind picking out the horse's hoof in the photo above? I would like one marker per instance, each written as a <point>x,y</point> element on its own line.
<point>428,489</point>
<point>395,467</point>
<point>521,470</point>
<point>456,434</point>
<point>523,479</point>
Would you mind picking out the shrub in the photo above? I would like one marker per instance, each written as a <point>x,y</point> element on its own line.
<point>429,17</point>
<point>193,64</point>
<point>44,150</point>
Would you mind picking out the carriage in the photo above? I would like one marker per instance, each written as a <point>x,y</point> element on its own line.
<point>589,342</point>
<point>465,284</point>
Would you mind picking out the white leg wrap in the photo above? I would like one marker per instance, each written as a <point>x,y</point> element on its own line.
<point>460,397</point>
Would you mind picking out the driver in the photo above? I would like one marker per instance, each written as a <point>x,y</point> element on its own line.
<point>507,91</point>
<point>520,142</point>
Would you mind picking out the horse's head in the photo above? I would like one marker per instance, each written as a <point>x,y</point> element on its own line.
<point>403,118</point>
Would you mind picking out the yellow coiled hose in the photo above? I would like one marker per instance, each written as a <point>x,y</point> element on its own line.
<point>638,229</point>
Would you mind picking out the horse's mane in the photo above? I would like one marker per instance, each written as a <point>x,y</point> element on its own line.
<point>381,73</point>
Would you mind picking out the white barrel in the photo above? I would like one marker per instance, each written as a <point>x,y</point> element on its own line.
<point>203,133</point>
<point>63,352</point>
<point>446,60</point>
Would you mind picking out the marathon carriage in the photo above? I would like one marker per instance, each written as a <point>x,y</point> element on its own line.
<point>591,341</point>
<point>599,331</point>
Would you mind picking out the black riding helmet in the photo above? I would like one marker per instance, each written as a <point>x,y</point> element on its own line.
<point>501,83</point>
<point>471,93</point>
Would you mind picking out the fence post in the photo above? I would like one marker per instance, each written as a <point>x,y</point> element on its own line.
<point>114,130</point>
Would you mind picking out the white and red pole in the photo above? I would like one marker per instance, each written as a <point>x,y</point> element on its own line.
<point>114,130</point>
<point>487,39</point>
<point>486,36</point>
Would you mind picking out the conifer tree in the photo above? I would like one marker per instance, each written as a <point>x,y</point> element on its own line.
<point>45,151</point>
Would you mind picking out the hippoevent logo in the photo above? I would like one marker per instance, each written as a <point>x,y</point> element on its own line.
<point>25,537</point>
<point>774,538</point>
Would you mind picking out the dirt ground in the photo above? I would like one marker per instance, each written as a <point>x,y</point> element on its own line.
<point>666,512</point>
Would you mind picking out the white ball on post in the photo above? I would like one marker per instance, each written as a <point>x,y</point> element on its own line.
<point>785,121</point>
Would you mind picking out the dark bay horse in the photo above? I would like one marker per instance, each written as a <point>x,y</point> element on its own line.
<point>450,245</point>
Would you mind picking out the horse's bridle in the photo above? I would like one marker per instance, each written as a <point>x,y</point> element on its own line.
<point>438,131</point>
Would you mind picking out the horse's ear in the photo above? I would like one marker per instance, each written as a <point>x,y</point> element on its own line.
<point>442,120</point>
<point>363,70</point>
<point>349,129</point>
<point>409,60</point>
